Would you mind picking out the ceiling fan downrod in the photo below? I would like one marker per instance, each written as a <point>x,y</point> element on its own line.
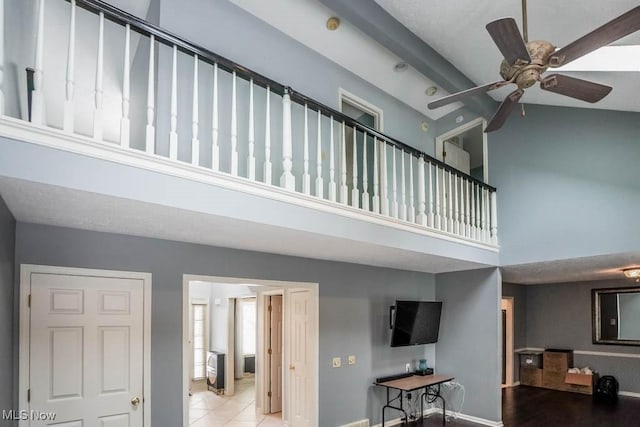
<point>525,27</point>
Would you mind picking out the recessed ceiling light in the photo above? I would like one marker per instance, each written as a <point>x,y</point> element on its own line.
<point>431,91</point>
<point>400,67</point>
<point>333,23</point>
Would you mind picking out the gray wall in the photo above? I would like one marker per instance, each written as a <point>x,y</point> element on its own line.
<point>354,302</point>
<point>469,345</point>
<point>559,315</point>
<point>7,252</point>
<point>567,183</point>
<point>519,294</point>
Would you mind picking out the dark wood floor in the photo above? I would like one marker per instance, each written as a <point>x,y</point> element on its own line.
<point>537,407</point>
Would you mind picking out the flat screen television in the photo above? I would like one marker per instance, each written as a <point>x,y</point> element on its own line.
<point>415,323</point>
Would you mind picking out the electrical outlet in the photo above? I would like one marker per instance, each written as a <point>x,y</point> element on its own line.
<point>352,360</point>
<point>337,362</point>
<point>407,367</point>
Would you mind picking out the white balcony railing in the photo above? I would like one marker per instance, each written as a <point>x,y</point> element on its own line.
<point>203,109</point>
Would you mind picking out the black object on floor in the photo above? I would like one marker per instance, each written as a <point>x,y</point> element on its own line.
<point>606,389</point>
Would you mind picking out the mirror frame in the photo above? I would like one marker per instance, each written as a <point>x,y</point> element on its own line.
<point>595,315</point>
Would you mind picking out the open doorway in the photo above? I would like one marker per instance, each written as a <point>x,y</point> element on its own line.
<point>465,149</point>
<point>243,328</point>
<point>506,306</point>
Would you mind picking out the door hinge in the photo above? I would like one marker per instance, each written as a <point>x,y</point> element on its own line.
<point>29,301</point>
<point>29,395</point>
<point>269,351</point>
<point>270,308</point>
<point>269,394</point>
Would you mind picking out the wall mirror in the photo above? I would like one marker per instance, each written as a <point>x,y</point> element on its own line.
<point>616,316</point>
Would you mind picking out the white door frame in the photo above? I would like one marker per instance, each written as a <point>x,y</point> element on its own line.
<point>274,284</point>
<point>507,303</point>
<point>461,129</point>
<point>26,270</point>
<point>205,302</point>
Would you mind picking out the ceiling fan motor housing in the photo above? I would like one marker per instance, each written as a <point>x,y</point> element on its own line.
<point>527,74</point>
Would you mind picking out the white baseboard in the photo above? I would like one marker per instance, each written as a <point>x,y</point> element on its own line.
<point>629,394</point>
<point>431,411</point>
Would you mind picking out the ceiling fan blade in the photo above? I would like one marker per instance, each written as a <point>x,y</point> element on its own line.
<point>465,94</point>
<point>613,30</point>
<point>506,36</point>
<point>504,110</point>
<point>575,88</point>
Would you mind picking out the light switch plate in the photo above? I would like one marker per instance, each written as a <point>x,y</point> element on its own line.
<point>337,362</point>
<point>352,360</point>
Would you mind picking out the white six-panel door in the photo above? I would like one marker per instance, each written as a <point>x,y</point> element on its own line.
<point>300,359</point>
<point>87,350</point>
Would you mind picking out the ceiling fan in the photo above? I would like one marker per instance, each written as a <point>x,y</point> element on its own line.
<point>525,62</point>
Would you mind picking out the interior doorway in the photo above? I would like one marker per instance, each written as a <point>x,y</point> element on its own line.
<point>250,355</point>
<point>465,148</point>
<point>507,306</point>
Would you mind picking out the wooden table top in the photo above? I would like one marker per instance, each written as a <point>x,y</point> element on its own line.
<point>416,382</point>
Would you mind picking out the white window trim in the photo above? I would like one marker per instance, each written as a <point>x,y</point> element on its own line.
<point>366,106</point>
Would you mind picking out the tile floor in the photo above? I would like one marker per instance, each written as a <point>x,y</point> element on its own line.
<point>207,409</point>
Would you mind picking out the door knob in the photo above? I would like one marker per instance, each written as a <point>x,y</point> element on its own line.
<point>292,368</point>
<point>135,401</point>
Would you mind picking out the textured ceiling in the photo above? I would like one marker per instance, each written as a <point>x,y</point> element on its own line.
<point>456,30</point>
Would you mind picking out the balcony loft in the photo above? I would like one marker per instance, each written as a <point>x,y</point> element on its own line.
<point>131,129</point>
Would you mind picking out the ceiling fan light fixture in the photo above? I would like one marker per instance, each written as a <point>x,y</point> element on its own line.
<point>401,67</point>
<point>632,273</point>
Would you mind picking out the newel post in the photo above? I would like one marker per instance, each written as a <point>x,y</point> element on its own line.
<point>287,180</point>
<point>494,218</point>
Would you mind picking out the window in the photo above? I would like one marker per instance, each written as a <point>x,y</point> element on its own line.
<point>249,327</point>
<point>199,341</point>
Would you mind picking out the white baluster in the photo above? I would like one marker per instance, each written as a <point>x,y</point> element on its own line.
<point>481,220</point>
<point>438,217</point>
<point>150,131</point>
<point>376,173</point>
<point>234,127</point>
<point>287,180</point>
<point>332,183</point>
<point>411,215</point>
<point>306,178</point>
<point>473,211</point>
<point>468,209</point>
<point>267,140</point>
<point>98,113</point>
<point>394,206</point>
<point>422,217</point>
<point>215,148</point>
<point>355,193</point>
<point>343,168</point>
<point>486,223</point>
<point>403,183</point>
<point>365,178</point>
<point>173,126</point>
<point>251,160</point>
<point>384,180</point>
<point>430,215</point>
<point>37,101</point>
<point>450,199</point>
<point>456,215</point>
<point>463,225</point>
<point>68,112</point>
<point>494,218</point>
<point>124,121</point>
<point>195,137</point>
<point>319,183</point>
<point>2,58</point>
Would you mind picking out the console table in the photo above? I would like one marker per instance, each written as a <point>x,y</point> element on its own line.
<point>429,383</point>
